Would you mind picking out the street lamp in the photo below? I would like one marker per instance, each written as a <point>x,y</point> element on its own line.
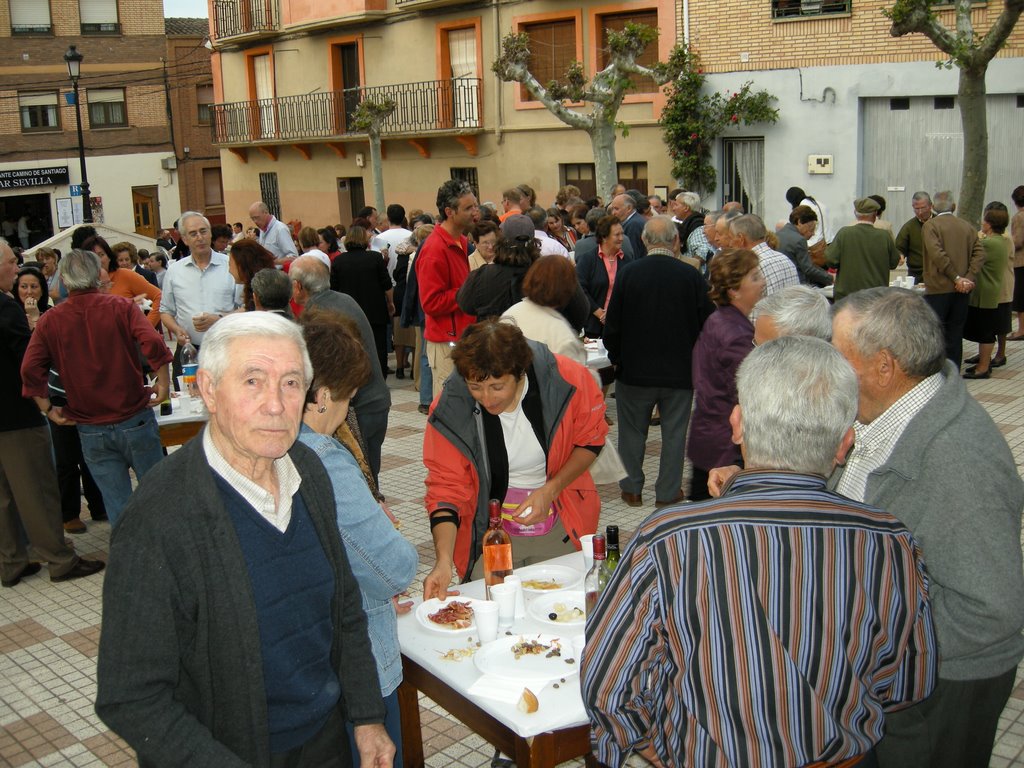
<point>74,61</point>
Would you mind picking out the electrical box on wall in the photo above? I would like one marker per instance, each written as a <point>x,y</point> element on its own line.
<point>818,164</point>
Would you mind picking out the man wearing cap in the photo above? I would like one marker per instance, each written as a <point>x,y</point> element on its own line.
<point>863,255</point>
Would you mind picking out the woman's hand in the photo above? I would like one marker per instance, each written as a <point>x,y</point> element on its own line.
<point>437,582</point>
<point>537,506</point>
<point>402,608</point>
<point>599,313</point>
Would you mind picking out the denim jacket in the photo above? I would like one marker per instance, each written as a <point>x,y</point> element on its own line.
<point>383,562</point>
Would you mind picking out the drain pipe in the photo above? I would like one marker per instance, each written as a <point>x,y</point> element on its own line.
<point>686,23</point>
<point>499,84</point>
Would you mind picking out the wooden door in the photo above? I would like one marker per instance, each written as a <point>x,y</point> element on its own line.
<point>144,203</point>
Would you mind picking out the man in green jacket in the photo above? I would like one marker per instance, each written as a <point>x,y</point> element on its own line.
<point>863,254</point>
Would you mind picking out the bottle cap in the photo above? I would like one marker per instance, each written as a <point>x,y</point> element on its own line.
<point>612,535</point>
<point>599,547</point>
<point>493,509</point>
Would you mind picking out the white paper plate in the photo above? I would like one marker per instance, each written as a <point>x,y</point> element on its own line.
<point>544,605</point>
<point>562,575</point>
<point>423,611</point>
<point>497,658</point>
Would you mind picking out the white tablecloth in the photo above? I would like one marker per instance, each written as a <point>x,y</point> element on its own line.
<point>181,412</point>
<point>558,708</point>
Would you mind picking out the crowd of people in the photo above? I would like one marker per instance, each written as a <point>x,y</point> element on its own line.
<point>810,599</point>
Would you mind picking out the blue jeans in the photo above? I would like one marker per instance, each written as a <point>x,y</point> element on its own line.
<point>110,449</point>
<point>426,377</point>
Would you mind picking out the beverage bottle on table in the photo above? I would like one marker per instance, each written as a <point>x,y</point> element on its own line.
<point>597,576</point>
<point>189,365</point>
<point>497,549</point>
<point>611,535</point>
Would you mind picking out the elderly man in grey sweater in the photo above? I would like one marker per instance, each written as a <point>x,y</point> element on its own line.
<point>928,453</point>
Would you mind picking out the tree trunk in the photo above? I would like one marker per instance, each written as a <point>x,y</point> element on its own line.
<point>974,119</point>
<point>378,171</point>
<point>606,172</point>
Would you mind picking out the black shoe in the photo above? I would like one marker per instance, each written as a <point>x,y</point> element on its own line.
<point>424,409</point>
<point>972,360</point>
<point>82,568</point>
<point>400,374</point>
<point>999,362</point>
<point>99,518</point>
<point>29,570</point>
<point>501,762</point>
<point>972,373</point>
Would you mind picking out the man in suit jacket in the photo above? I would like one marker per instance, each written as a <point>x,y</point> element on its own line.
<point>623,207</point>
<point>953,256</point>
<point>311,288</point>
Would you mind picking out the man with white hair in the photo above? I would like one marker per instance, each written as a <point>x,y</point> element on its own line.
<point>927,452</point>
<point>778,624</point>
<point>748,231</point>
<point>794,311</point>
<point>199,289</point>
<point>623,207</point>
<point>274,235</point>
<point>953,257</point>
<point>233,630</point>
<point>687,215</point>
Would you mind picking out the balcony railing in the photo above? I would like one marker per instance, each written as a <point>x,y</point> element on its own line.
<point>421,108</point>
<point>243,17</point>
<point>789,9</point>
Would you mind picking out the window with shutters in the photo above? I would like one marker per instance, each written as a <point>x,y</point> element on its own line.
<point>554,44</point>
<point>204,99</point>
<point>39,111</point>
<point>107,108</point>
<point>212,188</point>
<point>30,17</point>
<point>99,17</point>
<point>617,22</point>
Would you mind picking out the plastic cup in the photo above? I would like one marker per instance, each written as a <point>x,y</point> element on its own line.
<point>188,374</point>
<point>505,596</point>
<point>181,385</point>
<point>587,545</point>
<point>520,595</point>
<point>485,614</point>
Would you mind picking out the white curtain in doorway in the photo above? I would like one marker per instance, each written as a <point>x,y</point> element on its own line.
<point>263,79</point>
<point>462,58</point>
<point>749,157</point>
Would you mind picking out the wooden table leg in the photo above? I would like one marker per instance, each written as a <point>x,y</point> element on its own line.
<point>412,733</point>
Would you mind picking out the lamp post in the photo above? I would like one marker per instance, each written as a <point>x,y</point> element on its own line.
<point>74,61</point>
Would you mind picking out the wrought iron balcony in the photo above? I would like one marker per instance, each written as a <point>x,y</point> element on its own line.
<point>244,17</point>
<point>795,9</point>
<point>448,106</point>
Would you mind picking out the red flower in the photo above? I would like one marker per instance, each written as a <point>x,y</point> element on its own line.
<point>734,118</point>
<point>693,136</point>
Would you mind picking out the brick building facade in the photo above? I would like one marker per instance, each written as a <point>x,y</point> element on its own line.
<point>123,109</point>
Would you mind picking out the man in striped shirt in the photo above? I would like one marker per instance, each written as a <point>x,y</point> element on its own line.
<point>773,626</point>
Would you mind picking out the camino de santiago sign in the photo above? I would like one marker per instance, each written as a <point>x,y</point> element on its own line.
<point>34,177</point>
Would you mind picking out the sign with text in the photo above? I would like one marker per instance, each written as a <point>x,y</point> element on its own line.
<point>34,177</point>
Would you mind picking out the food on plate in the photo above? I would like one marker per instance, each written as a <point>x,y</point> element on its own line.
<point>454,615</point>
<point>528,702</point>
<point>458,654</point>
<point>541,584</point>
<point>563,612</point>
<point>535,648</point>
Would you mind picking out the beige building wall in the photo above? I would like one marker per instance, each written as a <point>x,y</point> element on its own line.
<point>517,144</point>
